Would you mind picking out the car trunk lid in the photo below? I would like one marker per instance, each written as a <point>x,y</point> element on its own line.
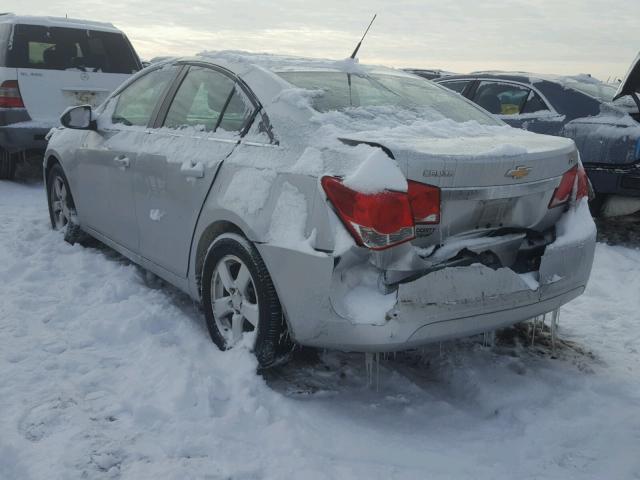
<point>487,183</point>
<point>631,82</point>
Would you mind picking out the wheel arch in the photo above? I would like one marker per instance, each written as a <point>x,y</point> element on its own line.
<point>205,240</point>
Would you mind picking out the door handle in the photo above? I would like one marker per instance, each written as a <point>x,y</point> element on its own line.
<point>192,170</point>
<point>122,161</point>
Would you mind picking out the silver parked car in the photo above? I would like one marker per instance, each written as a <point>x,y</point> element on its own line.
<point>324,203</point>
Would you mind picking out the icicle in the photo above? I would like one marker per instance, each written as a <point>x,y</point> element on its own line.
<point>372,368</point>
<point>533,335</point>
<point>554,326</point>
<point>492,338</point>
<point>377,360</point>
<point>368,366</point>
<point>440,349</point>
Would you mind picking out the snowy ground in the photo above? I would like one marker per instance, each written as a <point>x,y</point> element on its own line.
<point>106,375</point>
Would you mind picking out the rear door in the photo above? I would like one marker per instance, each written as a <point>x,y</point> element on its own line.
<point>105,162</point>
<point>178,161</point>
<point>518,105</point>
<point>59,67</point>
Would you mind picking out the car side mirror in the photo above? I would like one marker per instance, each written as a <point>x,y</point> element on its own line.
<point>78,118</point>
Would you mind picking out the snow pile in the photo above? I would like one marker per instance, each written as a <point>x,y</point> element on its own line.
<point>245,200</point>
<point>575,226</point>
<point>289,220</point>
<point>376,174</point>
<point>427,131</point>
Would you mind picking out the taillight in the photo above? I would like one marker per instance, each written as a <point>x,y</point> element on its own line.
<point>576,177</point>
<point>375,220</point>
<point>10,95</point>
<point>425,202</point>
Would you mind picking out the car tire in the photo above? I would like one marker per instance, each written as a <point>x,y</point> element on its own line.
<point>235,280</point>
<point>62,210</point>
<point>7,165</point>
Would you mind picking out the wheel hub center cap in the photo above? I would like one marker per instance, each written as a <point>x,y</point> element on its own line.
<point>236,300</point>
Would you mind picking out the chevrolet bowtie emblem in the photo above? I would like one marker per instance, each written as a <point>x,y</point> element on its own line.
<point>518,172</point>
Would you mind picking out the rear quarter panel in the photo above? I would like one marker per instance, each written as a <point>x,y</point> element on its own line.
<point>257,192</point>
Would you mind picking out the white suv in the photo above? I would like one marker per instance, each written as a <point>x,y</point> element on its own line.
<point>46,65</point>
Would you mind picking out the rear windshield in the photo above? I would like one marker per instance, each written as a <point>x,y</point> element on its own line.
<point>57,48</point>
<point>339,91</point>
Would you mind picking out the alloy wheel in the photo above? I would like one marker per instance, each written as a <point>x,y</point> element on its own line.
<point>60,203</point>
<point>234,299</point>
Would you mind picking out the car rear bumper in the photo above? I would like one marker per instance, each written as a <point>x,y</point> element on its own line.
<point>616,180</point>
<point>24,135</point>
<point>445,304</point>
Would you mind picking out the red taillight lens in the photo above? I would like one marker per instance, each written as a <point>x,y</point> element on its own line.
<point>576,177</point>
<point>10,95</point>
<point>425,202</point>
<point>582,185</point>
<point>378,220</point>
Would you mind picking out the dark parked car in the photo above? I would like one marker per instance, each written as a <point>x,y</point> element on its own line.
<point>601,118</point>
<point>429,74</point>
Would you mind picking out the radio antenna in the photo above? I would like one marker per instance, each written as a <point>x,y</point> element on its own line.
<point>355,52</point>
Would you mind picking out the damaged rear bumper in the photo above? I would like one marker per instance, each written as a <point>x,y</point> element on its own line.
<point>448,303</point>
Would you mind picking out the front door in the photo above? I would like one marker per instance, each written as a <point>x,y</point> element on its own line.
<point>106,160</point>
<point>177,164</point>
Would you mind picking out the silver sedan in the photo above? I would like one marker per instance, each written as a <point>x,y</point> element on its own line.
<point>323,203</point>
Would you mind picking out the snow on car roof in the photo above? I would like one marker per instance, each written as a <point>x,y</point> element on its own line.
<point>549,77</point>
<point>583,82</point>
<point>56,22</point>
<point>283,63</point>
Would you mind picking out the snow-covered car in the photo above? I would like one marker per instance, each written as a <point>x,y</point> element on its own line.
<point>324,203</point>
<point>603,123</point>
<point>46,65</point>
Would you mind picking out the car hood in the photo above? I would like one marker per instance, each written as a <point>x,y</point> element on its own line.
<point>631,82</point>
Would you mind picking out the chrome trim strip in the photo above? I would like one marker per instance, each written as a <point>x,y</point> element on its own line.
<point>499,191</point>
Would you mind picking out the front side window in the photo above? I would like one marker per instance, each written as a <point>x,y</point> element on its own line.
<point>341,92</point>
<point>136,102</point>
<point>59,48</point>
<point>507,99</point>
<point>208,101</point>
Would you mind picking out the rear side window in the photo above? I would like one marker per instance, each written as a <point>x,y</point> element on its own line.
<point>137,101</point>
<point>208,100</point>
<point>507,99</point>
<point>456,86</point>
<point>57,48</point>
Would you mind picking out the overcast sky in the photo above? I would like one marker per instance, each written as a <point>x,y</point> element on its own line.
<point>544,36</point>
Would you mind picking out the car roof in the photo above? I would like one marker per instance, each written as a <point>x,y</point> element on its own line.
<point>14,19</point>
<point>526,77</point>
<point>240,60</point>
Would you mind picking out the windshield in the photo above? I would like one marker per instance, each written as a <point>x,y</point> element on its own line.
<point>594,88</point>
<point>58,48</point>
<point>339,91</point>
